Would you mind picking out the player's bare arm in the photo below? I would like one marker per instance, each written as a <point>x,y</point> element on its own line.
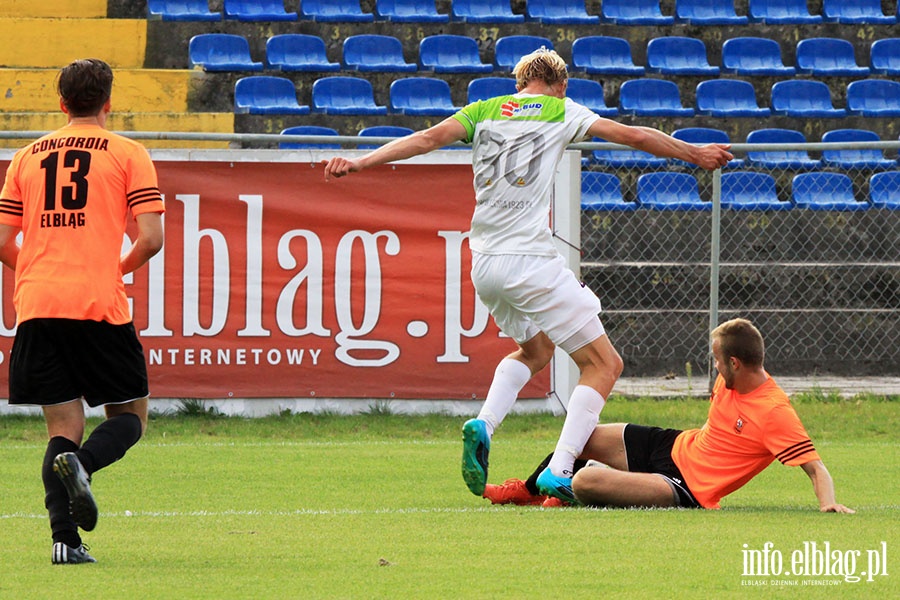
<point>421,142</point>
<point>148,243</point>
<point>823,486</point>
<point>9,250</point>
<point>711,156</point>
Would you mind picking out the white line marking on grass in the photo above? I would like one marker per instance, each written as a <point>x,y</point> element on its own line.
<point>301,512</point>
<point>308,512</point>
<point>356,443</point>
<point>326,444</point>
<point>273,444</point>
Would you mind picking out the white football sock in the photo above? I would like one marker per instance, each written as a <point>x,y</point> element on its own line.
<point>510,377</point>
<point>583,414</point>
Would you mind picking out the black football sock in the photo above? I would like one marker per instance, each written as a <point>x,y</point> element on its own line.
<point>109,442</point>
<point>56,498</point>
<point>531,482</point>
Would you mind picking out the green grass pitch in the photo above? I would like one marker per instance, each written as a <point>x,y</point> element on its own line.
<point>373,506</point>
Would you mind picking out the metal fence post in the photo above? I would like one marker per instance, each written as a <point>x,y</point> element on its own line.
<point>715,239</point>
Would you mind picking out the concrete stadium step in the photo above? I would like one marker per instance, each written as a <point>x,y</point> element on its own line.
<point>128,121</point>
<point>797,235</point>
<point>782,286</point>
<point>55,42</point>
<point>54,8</point>
<point>664,342</point>
<point>134,90</point>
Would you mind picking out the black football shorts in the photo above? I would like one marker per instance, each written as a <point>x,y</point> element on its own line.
<point>59,360</point>
<point>649,450</point>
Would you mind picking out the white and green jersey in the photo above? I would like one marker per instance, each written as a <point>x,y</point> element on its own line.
<point>517,143</point>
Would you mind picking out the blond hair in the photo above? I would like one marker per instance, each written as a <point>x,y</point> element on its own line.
<point>541,65</point>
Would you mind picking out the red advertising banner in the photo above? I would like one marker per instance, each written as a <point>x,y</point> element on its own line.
<point>274,283</point>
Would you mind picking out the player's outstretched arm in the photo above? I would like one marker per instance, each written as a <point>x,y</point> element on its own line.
<point>421,142</point>
<point>148,243</point>
<point>711,156</point>
<point>9,250</point>
<point>823,486</point>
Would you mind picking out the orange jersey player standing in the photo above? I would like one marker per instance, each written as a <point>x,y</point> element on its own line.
<point>70,194</point>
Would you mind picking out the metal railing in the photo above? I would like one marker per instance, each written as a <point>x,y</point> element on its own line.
<point>823,284</point>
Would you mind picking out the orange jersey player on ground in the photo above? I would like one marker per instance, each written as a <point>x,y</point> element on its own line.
<point>70,194</point>
<point>751,423</point>
<point>743,435</point>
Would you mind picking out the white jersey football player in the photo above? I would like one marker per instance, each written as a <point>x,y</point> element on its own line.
<point>517,143</point>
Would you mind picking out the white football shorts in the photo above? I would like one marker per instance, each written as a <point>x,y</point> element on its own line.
<point>527,294</point>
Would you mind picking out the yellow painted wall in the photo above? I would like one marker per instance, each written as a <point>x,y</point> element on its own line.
<point>136,90</point>
<point>49,43</point>
<point>35,42</point>
<point>53,8</point>
<point>192,122</point>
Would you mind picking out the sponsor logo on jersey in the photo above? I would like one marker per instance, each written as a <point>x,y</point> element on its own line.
<point>508,109</point>
<point>513,109</point>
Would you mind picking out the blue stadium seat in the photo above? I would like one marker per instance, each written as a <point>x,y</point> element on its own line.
<point>827,57</point>
<point>510,48</point>
<point>806,99</point>
<point>884,190</point>
<point>484,11</point>
<point>589,93</point>
<point>559,12</point>
<point>422,97</point>
<point>382,131</point>
<point>748,190</point>
<point>444,53</point>
<point>308,130</point>
<point>781,12</point>
<point>856,11</point>
<point>872,159</point>
<point>670,191</point>
<point>874,98</point>
<point>795,160</point>
<point>603,191</point>
<point>345,96</point>
<point>825,191</point>
<point>482,88</point>
<point>652,97</point>
<point>702,136</point>
<point>625,159</point>
<point>181,10</point>
<point>677,55</point>
<point>707,12</point>
<point>298,52</point>
<point>409,11</point>
<point>334,11</point>
<point>266,95</point>
<point>884,56</point>
<point>369,52</point>
<point>633,12</point>
<point>257,10</point>
<point>753,56</point>
<point>600,54</point>
<point>728,98</point>
<point>221,52</point>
